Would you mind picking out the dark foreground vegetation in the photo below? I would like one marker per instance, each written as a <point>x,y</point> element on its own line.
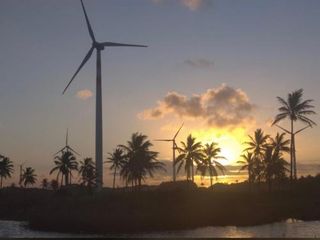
<point>167,207</point>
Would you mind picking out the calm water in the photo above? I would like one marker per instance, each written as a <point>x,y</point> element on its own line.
<point>289,229</point>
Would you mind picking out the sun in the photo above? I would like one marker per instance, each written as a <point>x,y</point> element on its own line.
<point>230,142</point>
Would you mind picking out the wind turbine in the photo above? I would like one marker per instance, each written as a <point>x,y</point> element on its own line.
<point>174,147</point>
<point>98,46</point>
<point>67,148</point>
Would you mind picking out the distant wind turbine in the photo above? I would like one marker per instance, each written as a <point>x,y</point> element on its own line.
<point>67,148</point>
<point>174,147</point>
<point>98,46</point>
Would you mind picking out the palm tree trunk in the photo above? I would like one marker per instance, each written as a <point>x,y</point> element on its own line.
<point>1,182</point>
<point>291,152</point>
<point>67,179</point>
<point>114,178</point>
<point>211,180</point>
<point>294,158</point>
<point>192,171</point>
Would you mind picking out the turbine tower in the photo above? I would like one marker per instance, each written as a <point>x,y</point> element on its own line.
<point>98,46</point>
<point>67,148</point>
<point>174,147</point>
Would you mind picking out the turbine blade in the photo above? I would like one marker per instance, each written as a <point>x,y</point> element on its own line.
<point>178,131</point>
<point>88,23</point>
<point>112,44</point>
<point>163,140</point>
<point>87,57</point>
<point>73,151</point>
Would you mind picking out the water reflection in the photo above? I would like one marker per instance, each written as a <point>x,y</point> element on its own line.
<point>288,229</point>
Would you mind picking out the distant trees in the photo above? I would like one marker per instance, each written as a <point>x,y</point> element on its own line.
<point>54,184</point>
<point>139,161</point>
<point>117,161</point>
<point>295,109</point>
<point>263,158</point>
<point>87,172</point>
<point>29,177</point>
<point>6,169</point>
<point>45,183</point>
<point>65,164</point>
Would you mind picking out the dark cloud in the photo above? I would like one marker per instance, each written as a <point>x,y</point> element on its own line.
<point>199,63</point>
<point>223,107</point>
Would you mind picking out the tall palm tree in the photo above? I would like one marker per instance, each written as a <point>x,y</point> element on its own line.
<point>117,160</point>
<point>140,161</point>
<point>257,145</point>
<point>29,177</point>
<point>209,161</point>
<point>295,109</point>
<point>45,183</point>
<point>190,153</point>
<point>87,171</point>
<point>65,164</point>
<point>248,163</point>
<point>6,168</point>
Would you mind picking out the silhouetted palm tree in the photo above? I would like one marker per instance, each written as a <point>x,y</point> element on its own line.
<point>117,160</point>
<point>248,164</point>
<point>87,171</point>
<point>209,163</point>
<point>65,164</point>
<point>295,109</point>
<point>257,146</point>
<point>140,161</point>
<point>280,144</point>
<point>54,184</point>
<point>45,183</point>
<point>190,152</point>
<point>29,177</point>
<point>6,168</point>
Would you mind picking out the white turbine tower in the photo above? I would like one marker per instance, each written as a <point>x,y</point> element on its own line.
<point>98,46</point>
<point>174,147</point>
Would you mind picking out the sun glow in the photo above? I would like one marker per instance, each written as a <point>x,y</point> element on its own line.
<point>230,142</point>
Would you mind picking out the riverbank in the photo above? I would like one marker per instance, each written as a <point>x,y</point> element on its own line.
<point>160,208</point>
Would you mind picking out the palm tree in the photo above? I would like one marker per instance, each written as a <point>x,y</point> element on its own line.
<point>209,163</point>
<point>280,144</point>
<point>248,164</point>
<point>65,164</point>
<point>87,171</point>
<point>190,152</point>
<point>54,184</point>
<point>44,183</point>
<point>257,145</point>
<point>295,109</point>
<point>29,177</point>
<point>117,160</point>
<point>140,162</point>
<point>6,169</point>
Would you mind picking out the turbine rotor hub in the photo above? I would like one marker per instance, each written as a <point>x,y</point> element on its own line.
<point>98,46</point>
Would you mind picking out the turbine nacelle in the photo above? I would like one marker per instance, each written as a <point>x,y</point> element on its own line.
<point>98,46</point>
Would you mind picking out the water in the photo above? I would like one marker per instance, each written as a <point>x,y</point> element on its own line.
<point>287,229</point>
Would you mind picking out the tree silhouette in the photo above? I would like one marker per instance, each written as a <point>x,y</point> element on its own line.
<point>65,164</point>
<point>87,171</point>
<point>45,183</point>
<point>295,109</point>
<point>209,163</point>
<point>190,153</point>
<point>117,160</point>
<point>248,163</point>
<point>140,162</point>
<point>28,177</point>
<point>6,168</point>
<point>54,184</point>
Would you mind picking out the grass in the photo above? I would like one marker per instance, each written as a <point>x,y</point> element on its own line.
<point>167,207</point>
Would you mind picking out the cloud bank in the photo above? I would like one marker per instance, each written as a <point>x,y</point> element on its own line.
<point>223,106</point>
<point>192,5</point>
<point>84,94</point>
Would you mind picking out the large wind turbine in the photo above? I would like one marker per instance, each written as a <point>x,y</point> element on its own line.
<point>98,46</point>
<point>174,147</point>
<point>67,148</point>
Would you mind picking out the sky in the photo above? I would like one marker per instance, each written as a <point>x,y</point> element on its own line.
<point>217,65</point>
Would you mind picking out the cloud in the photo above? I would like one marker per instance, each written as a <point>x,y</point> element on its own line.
<point>223,106</point>
<point>192,5</point>
<point>199,63</point>
<point>84,94</point>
